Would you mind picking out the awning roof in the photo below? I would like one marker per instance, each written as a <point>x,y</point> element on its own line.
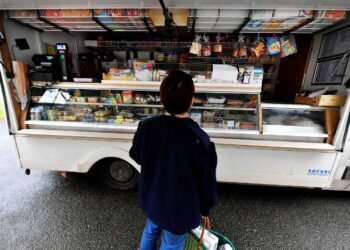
<point>196,4</point>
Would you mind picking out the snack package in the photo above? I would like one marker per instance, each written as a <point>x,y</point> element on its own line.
<point>288,45</point>
<point>217,48</point>
<point>143,70</point>
<point>258,49</point>
<point>235,50</point>
<point>206,49</point>
<point>127,97</point>
<point>273,45</point>
<point>257,75</point>
<point>196,47</point>
<point>197,117</point>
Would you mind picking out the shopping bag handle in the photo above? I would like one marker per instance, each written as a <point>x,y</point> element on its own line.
<point>206,225</point>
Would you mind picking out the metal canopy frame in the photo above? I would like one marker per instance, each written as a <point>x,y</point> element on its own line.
<point>193,21</point>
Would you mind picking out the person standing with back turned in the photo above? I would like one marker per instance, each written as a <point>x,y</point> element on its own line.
<point>178,163</point>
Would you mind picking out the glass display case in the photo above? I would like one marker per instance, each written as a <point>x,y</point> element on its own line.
<point>295,122</point>
<point>223,110</point>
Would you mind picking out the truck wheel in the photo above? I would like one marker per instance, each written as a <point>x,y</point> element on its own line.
<point>119,174</point>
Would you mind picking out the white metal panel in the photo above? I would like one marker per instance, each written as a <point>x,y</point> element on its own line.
<point>236,164</point>
<point>274,167</point>
<point>208,4</point>
<point>74,155</point>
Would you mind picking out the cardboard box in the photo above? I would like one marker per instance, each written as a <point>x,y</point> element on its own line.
<point>323,100</point>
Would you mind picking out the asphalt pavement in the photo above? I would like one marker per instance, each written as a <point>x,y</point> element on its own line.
<point>45,211</point>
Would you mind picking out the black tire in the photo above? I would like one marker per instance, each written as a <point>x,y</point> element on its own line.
<point>118,174</point>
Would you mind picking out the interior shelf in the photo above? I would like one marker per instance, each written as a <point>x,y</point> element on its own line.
<point>233,88</point>
<point>147,106</point>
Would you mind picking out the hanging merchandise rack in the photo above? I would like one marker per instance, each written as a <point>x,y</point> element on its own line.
<point>323,20</point>
<point>125,20</point>
<point>279,21</point>
<point>263,21</point>
<point>71,20</point>
<point>137,45</point>
<point>219,20</point>
<point>30,18</point>
<point>68,20</point>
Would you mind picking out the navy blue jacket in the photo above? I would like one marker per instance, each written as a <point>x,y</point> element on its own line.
<point>178,165</point>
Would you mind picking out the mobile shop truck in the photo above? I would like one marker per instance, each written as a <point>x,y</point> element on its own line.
<point>92,71</point>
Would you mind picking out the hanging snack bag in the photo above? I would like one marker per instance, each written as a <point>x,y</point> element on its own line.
<point>206,50</point>
<point>258,48</point>
<point>273,45</point>
<point>243,51</point>
<point>218,46</point>
<point>196,47</point>
<point>235,50</point>
<point>288,45</point>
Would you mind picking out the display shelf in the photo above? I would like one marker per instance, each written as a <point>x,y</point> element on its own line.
<point>296,131</point>
<point>146,106</point>
<point>294,107</point>
<point>128,128</point>
<point>76,124</point>
<point>233,88</point>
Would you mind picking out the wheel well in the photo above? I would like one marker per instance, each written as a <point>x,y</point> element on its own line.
<point>103,161</point>
<point>100,162</point>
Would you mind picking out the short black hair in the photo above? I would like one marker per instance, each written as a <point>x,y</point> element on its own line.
<point>176,92</point>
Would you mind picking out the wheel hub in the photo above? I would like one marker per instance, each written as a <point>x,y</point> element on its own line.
<point>121,171</point>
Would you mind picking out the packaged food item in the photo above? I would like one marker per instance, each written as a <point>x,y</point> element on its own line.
<point>206,50</point>
<point>240,74</point>
<point>81,99</point>
<point>273,45</point>
<point>288,45</point>
<point>247,73</point>
<point>92,99</point>
<point>247,125</point>
<point>218,46</point>
<point>196,47</point>
<point>243,51</point>
<point>127,97</point>
<point>230,124</point>
<point>119,98</point>
<point>52,114</point>
<point>235,51</point>
<point>197,117</point>
<point>235,103</point>
<point>258,48</point>
<point>208,116</point>
<point>160,57</point>
<point>210,241</point>
<point>77,93</point>
<point>216,100</point>
<point>225,247</point>
<point>143,70</point>
<point>257,75</point>
<point>198,101</point>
